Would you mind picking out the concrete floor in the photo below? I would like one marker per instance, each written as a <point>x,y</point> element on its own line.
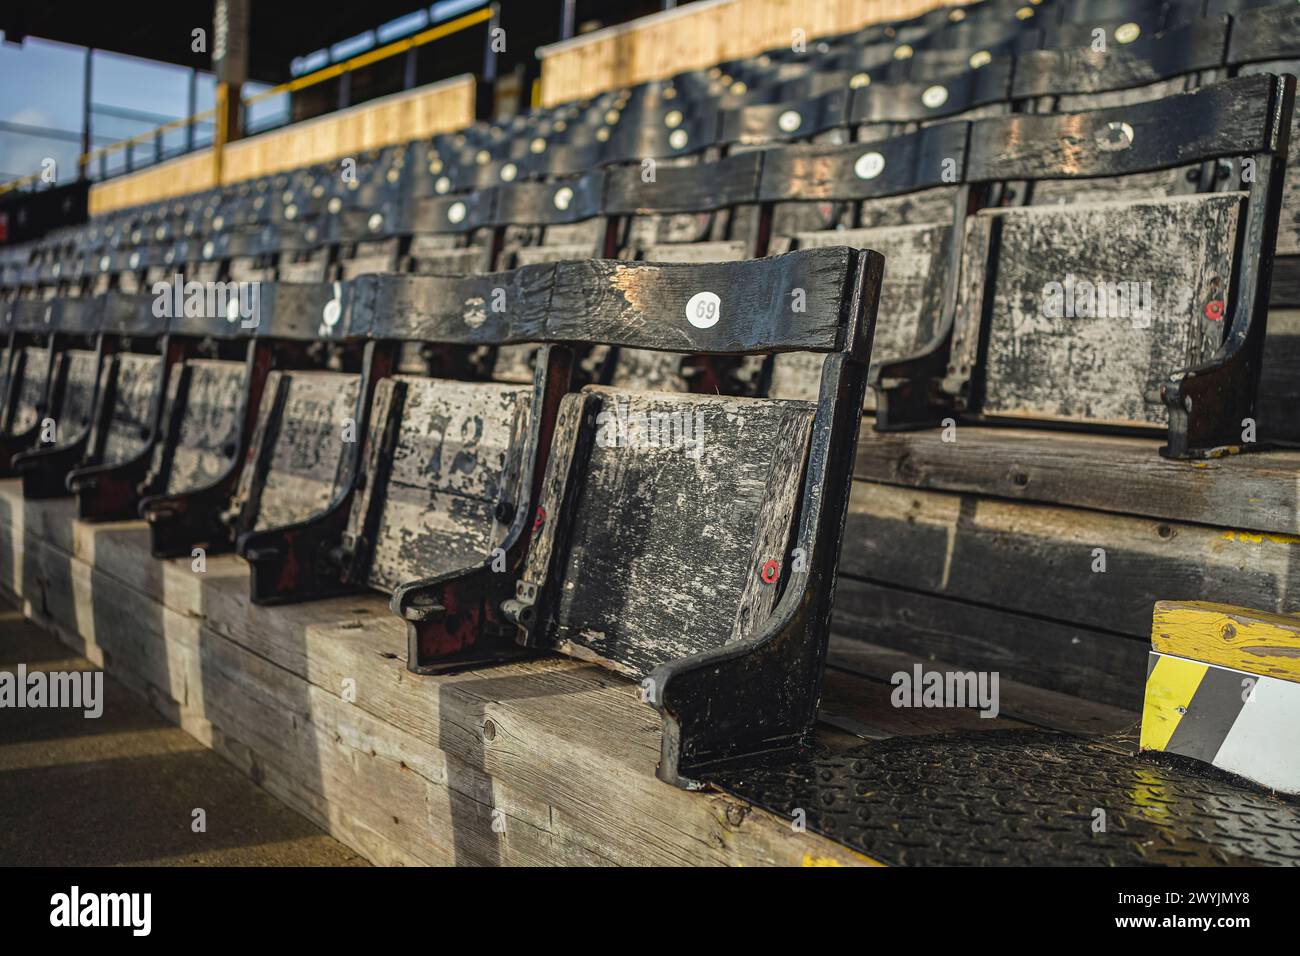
<point>121,789</point>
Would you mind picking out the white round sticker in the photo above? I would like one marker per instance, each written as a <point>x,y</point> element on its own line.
<point>563,197</point>
<point>789,121</point>
<point>375,222</point>
<point>456,212</point>
<point>104,263</point>
<point>209,247</point>
<point>333,309</point>
<point>442,185</point>
<point>869,165</point>
<point>334,205</point>
<point>935,96</point>
<point>1127,32</point>
<point>980,58</point>
<point>677,139</point>
<point>508,172</point>
<point>704,309</point>
<point>673,119</point>
<point>859,81</point>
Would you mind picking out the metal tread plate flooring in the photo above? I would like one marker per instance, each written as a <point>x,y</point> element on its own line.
<point>1023,798</point>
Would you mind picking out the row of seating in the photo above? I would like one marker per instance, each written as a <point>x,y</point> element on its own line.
<point>400,414</point>
<point>967,328</point>
<point>666,124</point>
<point>483,508</point>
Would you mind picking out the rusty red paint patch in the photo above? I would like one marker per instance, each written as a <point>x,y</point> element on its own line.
<point>771,571</point>
<point>1214,310</point>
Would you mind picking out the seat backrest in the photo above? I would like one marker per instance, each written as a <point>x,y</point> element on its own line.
<point>76,376</point>
<point>899,181</point>
<point>665,522</point>
<point>1090,312</point>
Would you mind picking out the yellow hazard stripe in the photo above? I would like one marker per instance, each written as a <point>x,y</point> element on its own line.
<point>1169,693</point>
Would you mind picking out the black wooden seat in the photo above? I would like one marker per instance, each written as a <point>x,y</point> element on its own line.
<point>453,233</point>
<point>882,110</point>
<point>699,553</point>
<point>211,408</point>
<point>1190,354</point>
<point>441,486</point>
<point>30,361</point>
<point>78,350</point>
<point>127,412</point>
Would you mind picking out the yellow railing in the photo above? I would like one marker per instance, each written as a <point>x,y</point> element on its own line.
<point>322,75</point>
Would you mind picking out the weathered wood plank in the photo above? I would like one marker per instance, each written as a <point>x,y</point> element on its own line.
<point>911,300</point>
<point>1253,641</point>
<point>135,392</point>
<point>80,372</point>
<point>209,425</point>
<point>1071,659</point>
<point>1093,306</point>
<point>1019,701</point>
<point>29,370</point>
<point>983,551</point>
<point>309,446</point>
<point>565,748</point>
<point>448,474</point>
<point>642,584</point>
<point>1110,473</point>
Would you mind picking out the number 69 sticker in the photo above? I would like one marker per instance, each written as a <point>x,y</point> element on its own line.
<point>704,310</point>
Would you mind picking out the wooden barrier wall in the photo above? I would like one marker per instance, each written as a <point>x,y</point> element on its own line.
<point>414,114</point>
<point>191,173</point>
<point>701,35</point>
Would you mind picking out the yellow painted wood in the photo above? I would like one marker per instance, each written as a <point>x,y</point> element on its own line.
<point>1257,642</point>
<point>1169,693</point>
<point>177,177</point>
<point>700,35</point>
<point>415,114</point>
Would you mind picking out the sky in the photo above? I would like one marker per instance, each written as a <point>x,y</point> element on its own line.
<point>47,79</point>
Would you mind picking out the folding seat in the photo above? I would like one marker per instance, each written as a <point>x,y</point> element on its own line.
<point>1129,315</point>
<point>633,564</point>
<point>35,363</point>
<point>125,426</point>
<point>444,481</point>
<point>819,118</point>
<point>211,403</point>
<point>1082,23</point>
<point>454,233</point>
<point>76,353</point>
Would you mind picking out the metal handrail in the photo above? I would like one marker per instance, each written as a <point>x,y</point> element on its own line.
<point>300,83</point>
